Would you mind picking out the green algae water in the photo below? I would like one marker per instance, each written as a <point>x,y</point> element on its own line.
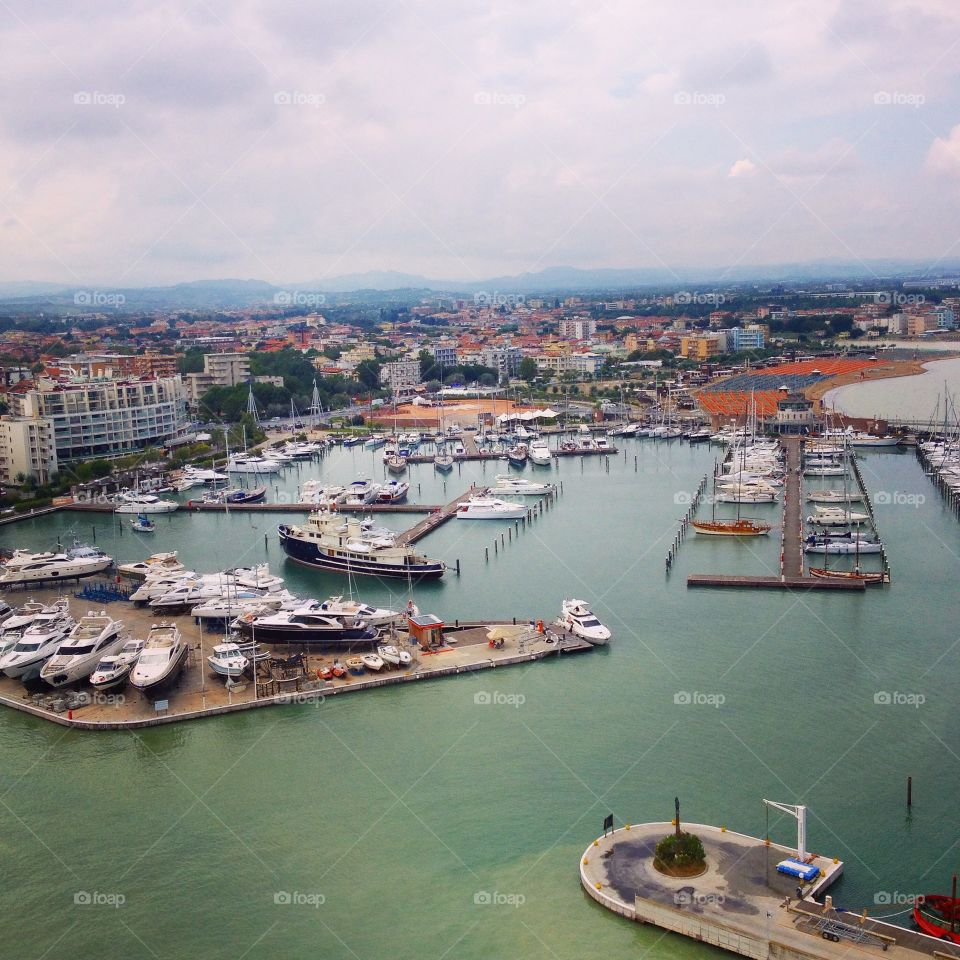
<point>446,819</point>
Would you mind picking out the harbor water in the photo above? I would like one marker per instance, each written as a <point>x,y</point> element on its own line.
<point>446,819</point>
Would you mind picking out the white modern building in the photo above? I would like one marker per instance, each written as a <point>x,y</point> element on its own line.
<point>398,375</point>
<point>579,328</point>
<point>219,370</point>
<point>445,354</point>
<point>105,418</point>
<point>26,449</point>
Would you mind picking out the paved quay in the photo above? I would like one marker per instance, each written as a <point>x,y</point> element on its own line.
<point>740,904</point>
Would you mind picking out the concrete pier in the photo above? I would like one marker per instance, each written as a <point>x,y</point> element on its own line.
<point>740,904</point>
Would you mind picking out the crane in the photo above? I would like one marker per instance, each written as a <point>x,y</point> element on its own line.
<point>799,813</point>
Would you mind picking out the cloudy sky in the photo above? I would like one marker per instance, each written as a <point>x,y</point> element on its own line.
<point>152,142</point>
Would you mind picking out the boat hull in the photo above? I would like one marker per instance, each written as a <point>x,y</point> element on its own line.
<point>154,688</point>
<point>310,555</point>
<point>50,576</point>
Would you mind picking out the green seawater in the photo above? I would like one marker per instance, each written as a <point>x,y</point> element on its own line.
<point>388,818</point>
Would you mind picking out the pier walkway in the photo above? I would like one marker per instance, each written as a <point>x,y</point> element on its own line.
<point>791,554</point>
<point>437,517</point>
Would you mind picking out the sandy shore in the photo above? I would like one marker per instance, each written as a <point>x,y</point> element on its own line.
<point>883,371</point>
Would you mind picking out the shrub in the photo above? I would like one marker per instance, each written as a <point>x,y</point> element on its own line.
<point>683,851</point>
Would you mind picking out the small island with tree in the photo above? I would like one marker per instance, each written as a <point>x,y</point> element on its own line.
<point>680,854</point>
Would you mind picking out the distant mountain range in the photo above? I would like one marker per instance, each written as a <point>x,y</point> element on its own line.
<point>229,293</point>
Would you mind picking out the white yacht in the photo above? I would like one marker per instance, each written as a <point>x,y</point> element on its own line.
<point>243,463</point>
<point>188,593</point>
<point>243,602</point>
<point>490,508</point>
<point>577,616</point>
<point>836,517</point>
<point>79,561</point>
<point>114,670</point>
<point>39,642</point>
<point>520,486</point>
<point>354,609</point>
<point>539,452</point>
<point>227,660</point>
<point>321,493</point>
<point>161,661</point>
<point>258,577</point>
<point>131,501</point>
<point>14,626</point>
<point>394,656</point>
<point>361,492</point>
<point>158,563</point>
<point>157,585</point>
<point>834,496</point>
<point>95,635</point>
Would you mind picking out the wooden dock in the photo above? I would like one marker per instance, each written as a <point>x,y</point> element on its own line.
<point>438,516</point>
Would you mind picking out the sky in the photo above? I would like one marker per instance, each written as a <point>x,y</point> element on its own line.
<point>159,142</point>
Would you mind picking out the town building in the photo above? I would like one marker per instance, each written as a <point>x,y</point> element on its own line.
<point>752,337</point>
<point>579,328</point>
<point>700,348</point>
<point>399,375</point>
<point>445,354</point>
<point>26,449</point>
<point>219,370</point>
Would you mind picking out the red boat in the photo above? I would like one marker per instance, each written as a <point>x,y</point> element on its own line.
<point>934,913</point>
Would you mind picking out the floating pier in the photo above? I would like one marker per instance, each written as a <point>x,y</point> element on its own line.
<point>741,903</point>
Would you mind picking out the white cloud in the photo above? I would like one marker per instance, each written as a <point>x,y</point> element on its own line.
<point>943,157</point>
<point>743,168</point>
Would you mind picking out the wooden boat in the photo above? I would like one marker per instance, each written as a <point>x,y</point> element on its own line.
<point>864,576</point>
<point>935,914</point>
<point>741,527</point>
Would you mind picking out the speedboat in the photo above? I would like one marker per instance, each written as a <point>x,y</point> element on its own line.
<point>360,492</point>
<point>539,453</point>
<point>833,496</point>
<point>394,491</point>
<point>521,486</point>
<point>577,616</point>
<point>79,561</point>
<point>307,626</point>
<point>490,508</point>
<point>517,455</point>
<point>141,523</point>
<point>159,665</point>
<point>257,578</point>
<point>114,670</point>
<point>320,493</point>
<point>372,661</point>
<point>227,660</point>
<point>156,564</point>
<point>131,501</point>
<point>95,635</point>
<point>39,642</point>
<point>394,656</point>
<point>354,609</point>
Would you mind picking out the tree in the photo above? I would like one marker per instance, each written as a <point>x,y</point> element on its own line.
<point>368,373</point>
<point>528,369</point>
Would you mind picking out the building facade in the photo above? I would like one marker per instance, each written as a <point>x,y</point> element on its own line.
<point>26,449</point>
<point>578,329</point>
<point>445,354</point>
<point>105,418</point>
<point>398,375</point>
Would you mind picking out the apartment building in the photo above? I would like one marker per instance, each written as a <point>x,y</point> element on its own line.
<point>219,370</point>
<point>579,328</point>
<point>104,418</point>
<point>445,354</point>
<point>398,375</point>
<point>26,449</point>
<point>700,348</point>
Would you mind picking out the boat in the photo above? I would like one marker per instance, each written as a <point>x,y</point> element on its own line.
<point>863,576</point>
<point>257,577</point>
<point>938,916</point>
<point>397,464</point>
<point>836,517</point>
<point>78,561</point>
<point>577,617</point>
<point>354,665</point>
<point>374,441</point>
<point>320,493</point>
<point>842,547</point>
<point>328,541</point>
<point>744,494</point>
<point>131,501</point>
<point>539,453</point>
<point>246,601</point>
<point>517,455</point>
<point>837,471</point>
<point>114,670</point>
<point>157,563</point>
<point>373,661</point>
<point>17,622</point>
<point>443,462</point>
<point>394,491</point>
<point>159,665</point>
<point>243,463</point>
<point>740,527</point>
<point>354,609</point>
<point>227,660</point>
<point>306,626</point>
<point>236,495</point>
<point>521,486</point>
<point>95,635</point>
<point>141,523</point>
<point>394,656</point>
<point>187,594</point>
<point>38,642</point>
<point>833,496</point>
<point>490,508</point>
<point>359,493</point>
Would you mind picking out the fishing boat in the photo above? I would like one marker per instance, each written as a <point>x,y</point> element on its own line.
<point>331,542</point>
<point>114,670</point>
<point>227,660</point>
<point>443,462</point>
<point>938,916</point>
<point>159,665</point>
<point>580,620</point>
<point>141,523</point>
